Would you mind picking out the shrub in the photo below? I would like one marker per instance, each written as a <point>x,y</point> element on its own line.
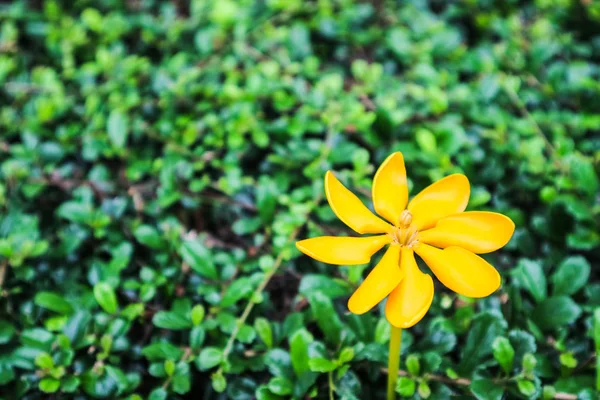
<point>158,159</point>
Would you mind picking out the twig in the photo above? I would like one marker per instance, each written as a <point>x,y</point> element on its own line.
<point>3,268</point>
<point>23,87</point>
<point>516,100</point>
<point>225,199</point>
<point>565,396</point>
<point>260,288</point>
<point>367,102</point>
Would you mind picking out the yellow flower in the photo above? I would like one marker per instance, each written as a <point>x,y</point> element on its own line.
<point>433,225</point>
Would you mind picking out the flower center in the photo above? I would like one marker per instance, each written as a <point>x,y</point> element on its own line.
<point>405,234</point>
<point>405,219</point>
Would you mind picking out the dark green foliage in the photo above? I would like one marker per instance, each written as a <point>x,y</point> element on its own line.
<point>158,159</point>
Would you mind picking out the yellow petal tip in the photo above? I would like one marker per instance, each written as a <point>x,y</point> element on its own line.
<point>355,306</point>
<point>408,321</point>
<point>350,209</point>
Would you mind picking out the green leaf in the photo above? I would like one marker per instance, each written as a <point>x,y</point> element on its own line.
<point>556,312</point>
<point>382,331</point>
<point>198,257</point>
<point>523,343</point>
<point>44,361</point>
<point>117,128</point>
<point>299,342</point>
<point>266,199</point>
<point>485,327</point>
<point>431,361</point>
<point>7,374</point>
<point>548,392</point>
<point>327,318</point>
<point>106,298</point>
<point>70,384</point>
<point>54,302</point>
<point>171,320</point>
<point>568,360</point>
<point>160,351</point>
<point>7,331</point>
<point>348,386</point>
<point>346,355</point>
<point>529,363</point>
<point>76,327</point>
<point>583,173</point>
<point>197,314</point>
<point>413,366</point>
<point>49,385</point>
<point>331,287</point>
<point>264,393</point>
<point>181,380</point>
<point>246,334</point>
<point>426,141</point>
<point>575,206</point>
<point>405,386</point>
<point>503,353</point>
<point>279,363</point>
<point>245,226</point>
<point>76,212</point>
<point>38,338</point>
<point>583,238</point>
<point>526,387</point>
<point>148,236</point>
<point>571,275</point>
<point>158,394</point>
<point>531,276</point>
<point>209,358</point>
<point>197,336</point>
<point>240,288</point>
<point>169,367</point>
<point>321,365</point>
<point>486,389</point>
<point>132,311</point>
<point>424,390</point>
<point>264,331</point>
<point>219,383</point>
<point>281,386</point>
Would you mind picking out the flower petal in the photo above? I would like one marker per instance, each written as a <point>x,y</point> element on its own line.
<point>411,299</point>
<point>343,250</point>
<point>379,283</point>
<point>445,197</point>
<point>476,231</point>
<point>390,191</point>
<point>350,210</point>
<point>460,270</point>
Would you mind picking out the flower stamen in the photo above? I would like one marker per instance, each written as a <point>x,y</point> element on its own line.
<point>405,234</point>
<point>405,219</point>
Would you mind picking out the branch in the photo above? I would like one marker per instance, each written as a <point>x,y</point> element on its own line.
<point>257,292</point>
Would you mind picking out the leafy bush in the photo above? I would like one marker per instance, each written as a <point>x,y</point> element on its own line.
<point>158,159</point>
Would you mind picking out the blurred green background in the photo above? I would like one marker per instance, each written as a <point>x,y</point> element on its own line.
<point>158,159</point>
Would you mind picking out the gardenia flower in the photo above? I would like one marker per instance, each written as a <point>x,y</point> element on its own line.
<point>433,225</point>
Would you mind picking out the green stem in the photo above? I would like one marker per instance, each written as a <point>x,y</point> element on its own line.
<point>394,362</point>
<point>597,340</point>
<point>331,388</point>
